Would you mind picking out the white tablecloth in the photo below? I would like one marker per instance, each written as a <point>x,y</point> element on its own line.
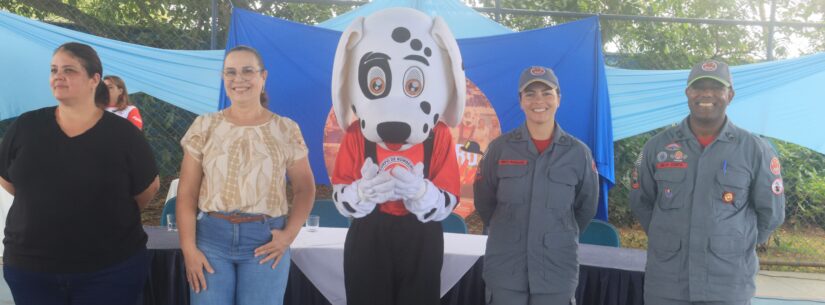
<point>320,256</point>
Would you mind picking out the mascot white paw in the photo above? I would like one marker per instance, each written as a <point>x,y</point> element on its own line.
<point>421,197</point>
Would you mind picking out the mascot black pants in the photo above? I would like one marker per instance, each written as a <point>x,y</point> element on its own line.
<point>393,260</point>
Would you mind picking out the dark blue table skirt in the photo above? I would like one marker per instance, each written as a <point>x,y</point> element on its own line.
<point>597,286</point>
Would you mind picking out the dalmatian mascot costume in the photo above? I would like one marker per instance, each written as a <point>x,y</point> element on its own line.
<point>399,72</point>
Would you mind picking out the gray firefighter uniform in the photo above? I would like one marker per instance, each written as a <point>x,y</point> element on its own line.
<point>535,206</point>
<point>704,211</point>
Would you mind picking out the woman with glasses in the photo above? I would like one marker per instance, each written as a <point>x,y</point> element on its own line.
<point>234,171</point>
<point>119,101</point>
<point>80,177</point>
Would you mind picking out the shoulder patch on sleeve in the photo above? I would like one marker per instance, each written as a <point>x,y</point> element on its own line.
<point>776,187</point>
<point>776,168</point>
<point>634,179</point>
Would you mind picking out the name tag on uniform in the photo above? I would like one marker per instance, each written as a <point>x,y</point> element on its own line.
<point>512,162</point>
<point>671,165</point>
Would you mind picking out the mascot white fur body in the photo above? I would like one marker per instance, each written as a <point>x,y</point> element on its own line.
<point>400,72</point>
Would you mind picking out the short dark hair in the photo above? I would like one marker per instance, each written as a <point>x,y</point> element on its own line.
<point>245,48</point>
<point>91,62</point>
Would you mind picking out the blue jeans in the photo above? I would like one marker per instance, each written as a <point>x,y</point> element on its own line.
<point>115,285</point>
<point>239,279</point>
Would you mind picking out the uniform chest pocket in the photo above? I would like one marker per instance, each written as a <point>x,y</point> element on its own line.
<point>731,191</point>
<point>562,188</point>
<point>512,183</point>
<point>670,184</point>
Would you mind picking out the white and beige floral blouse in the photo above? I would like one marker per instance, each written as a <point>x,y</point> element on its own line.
<point>244,167</point>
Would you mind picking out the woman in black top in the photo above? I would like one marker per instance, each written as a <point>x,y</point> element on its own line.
<point>80,176</point>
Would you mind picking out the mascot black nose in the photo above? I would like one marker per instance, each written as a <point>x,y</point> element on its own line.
<point>394,132</point>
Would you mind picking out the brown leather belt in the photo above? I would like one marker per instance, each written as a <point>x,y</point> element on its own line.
<point>234,218</point>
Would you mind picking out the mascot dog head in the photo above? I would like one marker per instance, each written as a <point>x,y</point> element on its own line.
<point>400,72</point>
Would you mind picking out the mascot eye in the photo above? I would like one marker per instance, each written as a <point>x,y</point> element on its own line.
<point>375,75</point>
<point>413,82</point>
<point>377,81</point>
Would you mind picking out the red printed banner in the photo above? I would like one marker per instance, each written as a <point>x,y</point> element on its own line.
<point>671,165</point>
<point>512,162</point>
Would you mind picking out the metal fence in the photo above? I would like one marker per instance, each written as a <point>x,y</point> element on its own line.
<point>203,24</point>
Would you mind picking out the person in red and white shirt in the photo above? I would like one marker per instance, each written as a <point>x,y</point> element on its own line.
<point>119,101</point>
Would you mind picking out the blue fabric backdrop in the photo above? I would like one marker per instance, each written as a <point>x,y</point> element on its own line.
<point>187,79</point>
<point>782,99</point>
<point>769,95</point>
<point>464,21</point>
<point>299,59</point>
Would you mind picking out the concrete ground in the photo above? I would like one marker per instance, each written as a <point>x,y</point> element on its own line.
<point>790,286</point>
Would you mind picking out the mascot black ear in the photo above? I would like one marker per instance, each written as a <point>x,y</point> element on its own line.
<point>452,56</point>
<point>340,93</point>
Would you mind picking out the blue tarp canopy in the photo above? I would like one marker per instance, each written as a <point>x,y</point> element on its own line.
<point>187,79</point>
<point>782,99</point>
<point>464,21</point>
<point>768,95</point>
<point>299,60</point>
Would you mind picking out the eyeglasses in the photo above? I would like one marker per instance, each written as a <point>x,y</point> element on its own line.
<point>246,73</point>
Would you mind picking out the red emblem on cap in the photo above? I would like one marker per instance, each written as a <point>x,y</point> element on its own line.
<point>709,66</point>
<point>537,71</point>
<point>776,168</point>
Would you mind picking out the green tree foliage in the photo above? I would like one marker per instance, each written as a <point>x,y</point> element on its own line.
<point>171,24</point>
<point>661,45</point>
<point>803,174</point>
<point>671,45</point>
<point>626,152</point>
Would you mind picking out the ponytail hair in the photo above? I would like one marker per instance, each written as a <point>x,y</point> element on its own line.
<point>101,95</point>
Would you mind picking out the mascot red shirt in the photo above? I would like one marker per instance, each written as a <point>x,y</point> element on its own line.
<point>397,83</point>
<point>442,164</point>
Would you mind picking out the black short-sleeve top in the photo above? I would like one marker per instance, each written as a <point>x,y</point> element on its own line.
<point>74,208</point>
